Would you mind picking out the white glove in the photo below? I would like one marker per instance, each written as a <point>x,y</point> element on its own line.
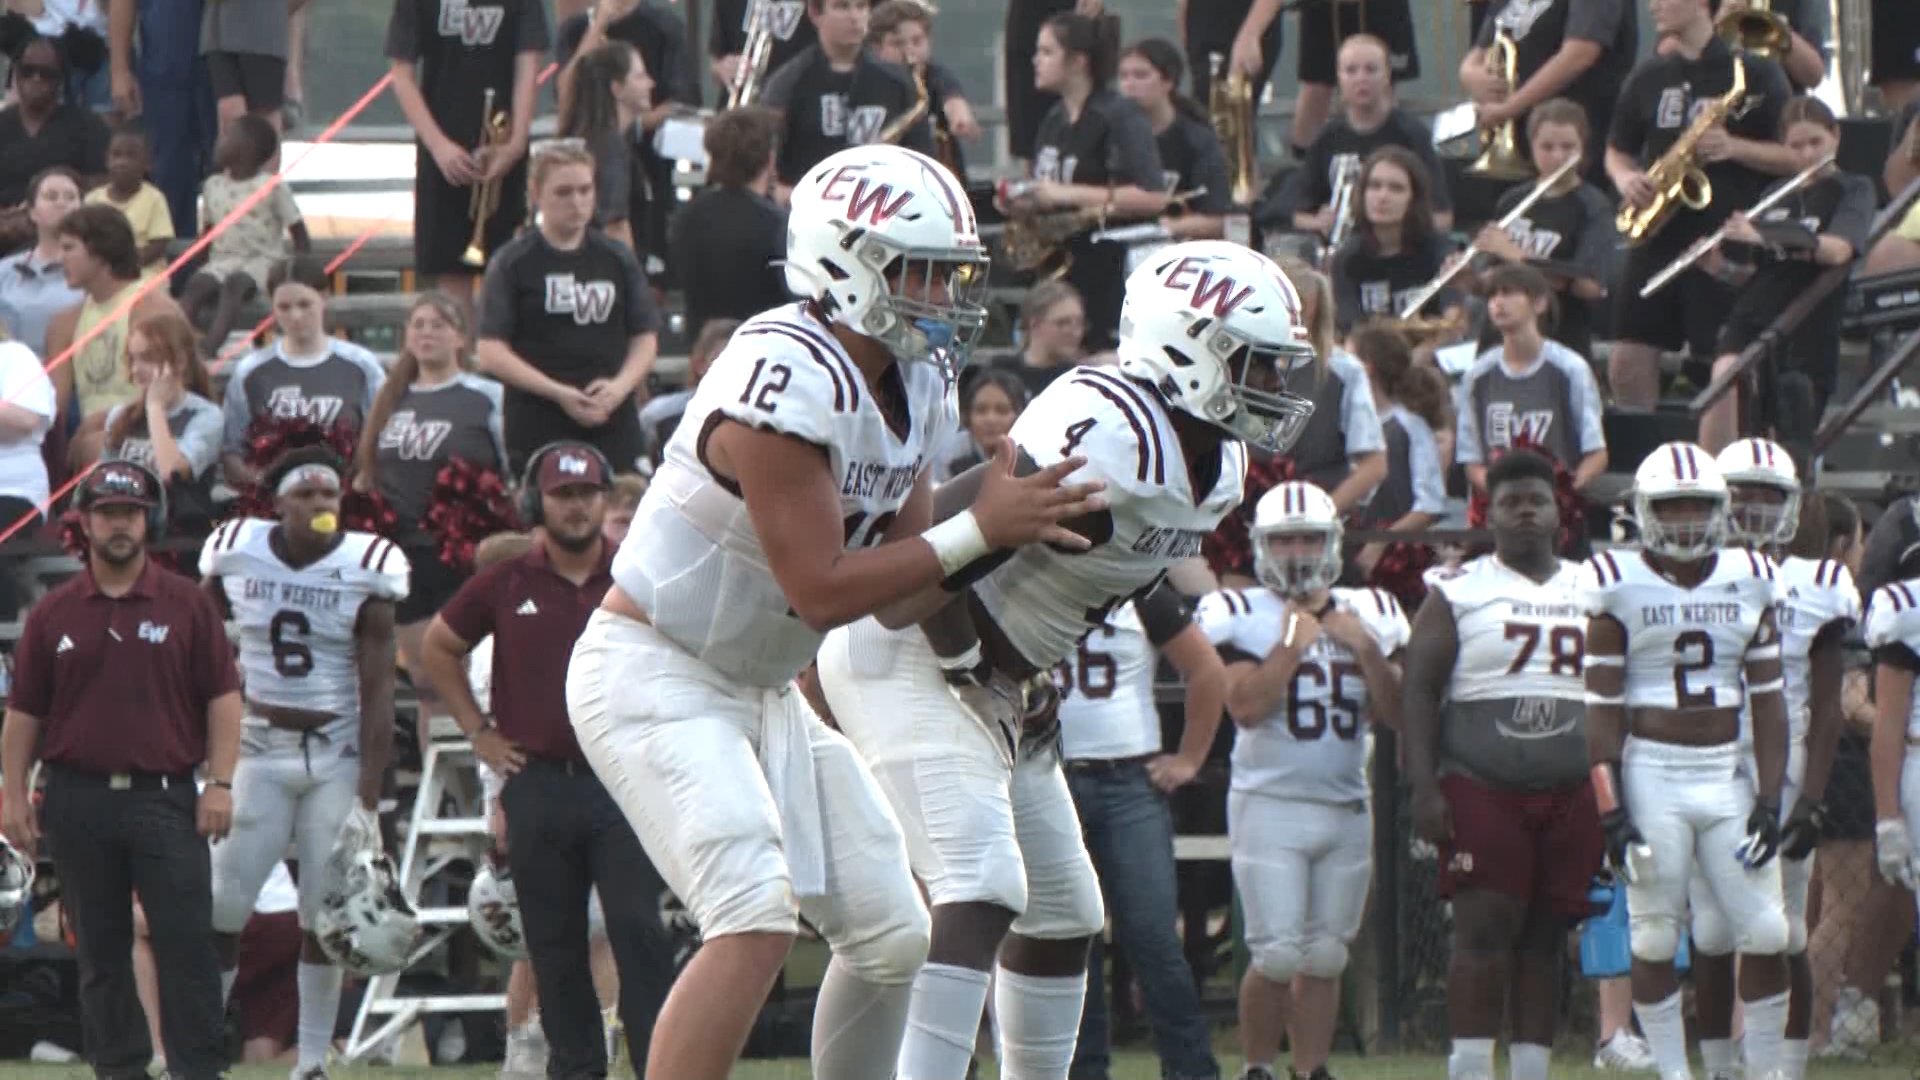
<point>1894,850</point>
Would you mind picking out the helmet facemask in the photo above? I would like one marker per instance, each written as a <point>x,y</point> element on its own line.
<point>1758,519</point>
<point>1251,402</point>
<point>907,317</point>
<point>1688,540</point>
<point>1297,569</point>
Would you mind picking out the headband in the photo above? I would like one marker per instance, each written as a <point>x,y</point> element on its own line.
<point>314,473</point>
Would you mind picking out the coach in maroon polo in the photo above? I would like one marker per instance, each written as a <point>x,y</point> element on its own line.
<point>125,687</point>
<point>565,834</point>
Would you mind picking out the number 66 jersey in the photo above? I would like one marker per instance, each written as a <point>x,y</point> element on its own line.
<point>1686,648</point>
<point>296,626</point>
<point>1312,748</point>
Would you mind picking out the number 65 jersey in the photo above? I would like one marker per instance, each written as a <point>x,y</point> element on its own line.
<point>1313,747</point>
<point>296,626</point>
<point>1686,648</point>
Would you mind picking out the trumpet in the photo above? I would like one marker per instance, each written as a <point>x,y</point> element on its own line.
<point>1425,294</point>
<point>1755,29</point>
<point>1500,156</point>
<point>750,77</point>
<point>1230,108</point>
<point>1677,177</point>
<point>485,200</point>
<point>1714,239</point>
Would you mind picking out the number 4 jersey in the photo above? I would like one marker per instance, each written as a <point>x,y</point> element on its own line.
<point>296,626</point>
<point>1686,647</point>
<point>1312,747</point>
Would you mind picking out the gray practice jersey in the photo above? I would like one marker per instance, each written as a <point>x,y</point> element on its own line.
<point>1553,405</point>
<point>1344,425</point>
<point>432,425</point>
<point>337,386</point>
<point>195,425</point>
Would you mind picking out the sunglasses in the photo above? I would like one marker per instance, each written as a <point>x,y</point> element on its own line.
<point>39,71</point>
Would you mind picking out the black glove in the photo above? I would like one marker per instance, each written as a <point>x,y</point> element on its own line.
<point>1622,838</point>
<point>1763,834</point>
<point>1803,830</point>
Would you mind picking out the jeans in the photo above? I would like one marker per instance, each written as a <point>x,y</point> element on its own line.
<point>177,101</point>
<point>1129,833</point>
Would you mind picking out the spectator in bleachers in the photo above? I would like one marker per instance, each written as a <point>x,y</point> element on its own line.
<point>1190,151</point>
<point>245,252</point>
<point>127,190</point>
<point>1416,413</point>
<point>623,499</point>
<point>1053,335</point>
<point>429,411</point>
<point>245,48</point>
<point>1397,243</point>
<point>839,93</point>
<point>40,130</point>
<point>166,85</point>
<point>1528,389</point>
<point>1900,248</point>
<point>27,411</point>
<point>661,416</point>
<point>443,100</point>
<point>990,402</point>
<point>792,34</point>
<point>305,374</point>
<point>901,32</point>
<point>604,92</point>
<point>1342,449</point>
<point>33,287</point>
<point>173,428</point>
<point>80,29</point>
<point>1370,120</point>
<point>729,242</point>
<point>101,259</point>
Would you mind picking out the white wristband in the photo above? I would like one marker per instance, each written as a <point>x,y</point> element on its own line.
<point>957,541</point>
<point>966,661</point>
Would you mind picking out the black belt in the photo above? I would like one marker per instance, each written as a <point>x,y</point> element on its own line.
<point>570,766</point>
<point>123,781</point>
<point>1107,765</point>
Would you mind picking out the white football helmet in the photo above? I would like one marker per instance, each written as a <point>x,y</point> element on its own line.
<point>1296,508</point>
<point>493,907</point>
<point>1761,463</point>
<point>860,221</point>
<point>1671,473</point>
<point>1217,328</point>
<point>365,924</point>
<point>16,887</point>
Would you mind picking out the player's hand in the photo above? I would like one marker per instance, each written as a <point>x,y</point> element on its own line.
<point>1763,835</point>
<point>1715,145</point>
<point>1432,814</point>
<point>21,825</point>
<point>1345,627</point>
<point>1171,772</point>
<point>1894,851</point>
<point>456,163</point>
<point>1301,633</point>
<point>1246,58</point>
<point>501,754</point>
<point>1628,854</point>
<point>214,818</point>
<point>1801,833</point>
<point>1636,189</point>
<point>1014,510</point>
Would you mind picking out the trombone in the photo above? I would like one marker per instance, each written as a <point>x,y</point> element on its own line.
<point>749,78</point>
<point>1714,239</point>
<point>485,200</point>
<point>1431,289</point>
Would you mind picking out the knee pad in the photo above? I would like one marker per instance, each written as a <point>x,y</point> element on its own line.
<point>1712,933</point>
<point>758,907</point>
<point>1280,961</point>
<point>1764,935</point>
<point>1655,938</point>
<point>891,956</point>
<point>1797,933</point>
<point>1325,958</point>
<point>230,909</point>
<point>1065,906</point>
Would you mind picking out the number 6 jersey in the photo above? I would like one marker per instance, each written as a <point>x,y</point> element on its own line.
<point>1312,748</point>
<point>296,626</point>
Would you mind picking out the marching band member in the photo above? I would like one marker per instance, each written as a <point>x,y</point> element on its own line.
<point>788,29</point>
<point>1369,119</point>
<point>902,33</point>
<point>1248,33</point>
<point>1397,245</point>
<point>1190,150</point>
<point>1580,50</point>
<point>1324,31</point>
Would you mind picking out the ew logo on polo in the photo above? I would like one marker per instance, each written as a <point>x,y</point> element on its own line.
<point>155,633</point>
<point>874,201</point>
<point>473,25</point>
<point>589,302</point>
<point>1191,275</point>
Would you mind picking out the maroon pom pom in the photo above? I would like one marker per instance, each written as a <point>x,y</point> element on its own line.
<point>469,504</point>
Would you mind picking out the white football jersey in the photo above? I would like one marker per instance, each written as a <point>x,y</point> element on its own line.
<point>1686,648</point>
<point>1811,594</point>
<point>1107,709</point>
<point>1893,619</point>
<point>1316,744</point>
<point>1518,637</point>
<point>1045,599</point>
<point>296,626</point>
<point>692,560</point>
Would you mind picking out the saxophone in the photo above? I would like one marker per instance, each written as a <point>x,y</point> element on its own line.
<point>892,132</point>
<point>1677,176</point>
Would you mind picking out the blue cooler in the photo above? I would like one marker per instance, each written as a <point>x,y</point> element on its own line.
<point>1605,940</point>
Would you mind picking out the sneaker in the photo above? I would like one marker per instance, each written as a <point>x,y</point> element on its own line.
<point>1855,1028</point>
<point>308,1072</point>
<point>1625,1052</point>
<point>526,1057</point>
<point>1256,1072</point>
<point>616,1038</point>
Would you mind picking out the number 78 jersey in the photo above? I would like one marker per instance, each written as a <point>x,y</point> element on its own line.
<point>1312,747</point>
<point>296,627</point>
<point>1686,648</point>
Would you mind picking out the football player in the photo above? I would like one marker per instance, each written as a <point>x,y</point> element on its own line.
<point>1496,752</point>
<point>1893,633</point>
<point>990,823</point>
<point>313,608</point>
<point>1309,669</point>
<point>1817,605</point>
<point>1680,637</point>
<point>793,498</point>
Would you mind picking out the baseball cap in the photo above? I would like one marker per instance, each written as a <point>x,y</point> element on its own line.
<point>118,483</point>
<point>571,466</point>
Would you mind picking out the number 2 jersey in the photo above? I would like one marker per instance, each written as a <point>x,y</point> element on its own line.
<point>1686,647</point>
<point>1893,633</point>
<point>1313,747</point>
<point>296,626</point>
<point>692,560</point>
<point>1044,599</point>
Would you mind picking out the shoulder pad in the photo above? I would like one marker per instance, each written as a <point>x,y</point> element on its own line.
<point>375,564</point>
<point>1221,614</point>
<point>1599,576</point>
<point>1109,420</point>
<point>1893,614</point>
<point>1381,613</point>
<point>786,376</point>
<point>227,539</point>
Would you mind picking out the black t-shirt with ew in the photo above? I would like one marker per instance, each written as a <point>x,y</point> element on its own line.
<point>1340,139</point>
<point>828,111</point>
<point>464,50</point>
<point>793,32</point>
<point>1191,156</point>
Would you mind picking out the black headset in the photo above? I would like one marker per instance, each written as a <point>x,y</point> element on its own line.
<point>156,493</point>
<point>532,513</point>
